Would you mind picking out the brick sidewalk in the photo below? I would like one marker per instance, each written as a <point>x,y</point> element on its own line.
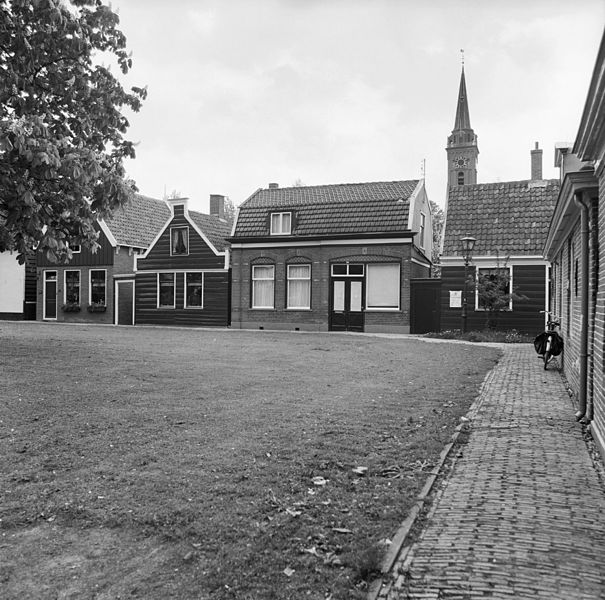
<point>522,514</point>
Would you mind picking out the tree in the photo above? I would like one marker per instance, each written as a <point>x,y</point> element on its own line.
<point>61,128</point>
<point>438,223</point>
<point>494,292</point>
<point>230,210</point>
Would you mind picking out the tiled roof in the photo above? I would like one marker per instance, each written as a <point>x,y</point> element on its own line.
<point>327,210</point>
<point>139,221</point>
<point>214,228</point>
<point>507,219</point>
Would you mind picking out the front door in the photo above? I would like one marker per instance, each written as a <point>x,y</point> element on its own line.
<point>50,295</point>
<point>346,313</point>
<point>125,303</point>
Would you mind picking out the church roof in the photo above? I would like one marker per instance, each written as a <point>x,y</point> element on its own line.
<point>330,210</point>
<point>507,218</point>
<point>463,119</point>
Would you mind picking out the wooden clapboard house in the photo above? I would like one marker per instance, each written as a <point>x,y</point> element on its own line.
<point>184,276</point>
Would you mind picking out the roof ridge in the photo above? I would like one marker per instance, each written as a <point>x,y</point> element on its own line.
<point>494,183</point>
<point>326,185</point>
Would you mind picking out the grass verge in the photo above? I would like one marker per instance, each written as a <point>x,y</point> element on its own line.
<point>171,463</point>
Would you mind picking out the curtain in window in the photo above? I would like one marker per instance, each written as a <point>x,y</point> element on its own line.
<point>166,292</point>
<point>194,289</point>
<point>72,287</point>
<point>262,286</point>
<point>383,286</point>
<point>299,286</point>
<point>97,287</point>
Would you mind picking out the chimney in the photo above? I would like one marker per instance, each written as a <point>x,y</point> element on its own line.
<point>217,206</point>
<point>273,186</point>
<point>536,163</point>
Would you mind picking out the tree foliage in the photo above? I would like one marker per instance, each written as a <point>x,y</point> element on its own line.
<point>495,293</point>
<point>62,131</point>
<point>438,225</point>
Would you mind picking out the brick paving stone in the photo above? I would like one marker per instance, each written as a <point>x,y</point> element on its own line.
<point>522,513</point>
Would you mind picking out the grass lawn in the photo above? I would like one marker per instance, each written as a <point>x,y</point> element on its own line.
<point>170,463</point>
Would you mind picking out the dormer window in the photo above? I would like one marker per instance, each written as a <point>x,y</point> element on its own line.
<point>281,223</point>
<point>179,241</point>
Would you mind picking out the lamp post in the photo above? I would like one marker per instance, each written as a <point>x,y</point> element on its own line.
<point>468,243</point>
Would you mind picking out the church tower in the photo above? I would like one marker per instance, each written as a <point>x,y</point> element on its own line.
<point>462,150</point>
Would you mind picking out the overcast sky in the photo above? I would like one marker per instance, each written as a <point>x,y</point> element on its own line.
<point>247,92</point>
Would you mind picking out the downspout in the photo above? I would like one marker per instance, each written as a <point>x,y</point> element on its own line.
<point>584,231</point>
<point>594,243</point>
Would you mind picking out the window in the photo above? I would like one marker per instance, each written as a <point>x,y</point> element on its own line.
<point>422,230</point>
<point>347,270</point>
<point>72,287</point>
<point>281,223</point>
<point>166,290</point>
<point>493,289</point>
<point>460,177</point>
<point>194,284</point>
<point>262,286</point>
<point>98,286</point>
<point>179,241</point>
<point>299,286</point>
<point>382,291</point>
<point>75,248</point>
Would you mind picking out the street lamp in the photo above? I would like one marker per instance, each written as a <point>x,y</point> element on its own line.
<point>468,243</point>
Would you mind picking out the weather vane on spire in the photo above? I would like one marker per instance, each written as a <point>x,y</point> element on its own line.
<point>462,56</point>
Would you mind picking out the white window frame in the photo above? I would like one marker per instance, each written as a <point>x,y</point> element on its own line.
<point>290,279</point>
<point>253,279</point>
<point>90,285</point>
<point>393,308</point>
<point>422,232</point>
<point>173,231</point>
<point>491,268</point>
<point>166,306</point>
<point>47,279</point>
<point>186,286</point>
<point>279,230</point>
<point>78,271</point>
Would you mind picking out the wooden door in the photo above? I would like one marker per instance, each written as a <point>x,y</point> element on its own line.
<point>346,311</point>
<point>124,303</point>
<point>425,305</point>
<point>50,295</point>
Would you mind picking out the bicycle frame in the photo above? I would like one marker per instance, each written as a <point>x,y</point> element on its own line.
<point>551,330</point>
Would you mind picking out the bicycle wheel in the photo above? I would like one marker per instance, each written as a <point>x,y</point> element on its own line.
<point>547,352</point>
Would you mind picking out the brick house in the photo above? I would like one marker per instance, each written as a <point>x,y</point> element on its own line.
<point>508,220</point>
<point>99,287</point>
<point>330,257</point>
<point>576,247</point>
<point>184,276</point>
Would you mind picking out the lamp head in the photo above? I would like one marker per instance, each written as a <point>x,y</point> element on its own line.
<point>468,244</point>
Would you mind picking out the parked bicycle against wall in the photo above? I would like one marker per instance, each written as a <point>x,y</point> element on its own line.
<point>549,343</point>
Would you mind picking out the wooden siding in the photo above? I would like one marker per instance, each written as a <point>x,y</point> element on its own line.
<point>200,255</point>
<point>85,258</point>
<point>215,313</point>
<point>528,280</point>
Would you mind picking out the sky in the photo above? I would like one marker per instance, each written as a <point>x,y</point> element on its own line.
<point>242,93</point>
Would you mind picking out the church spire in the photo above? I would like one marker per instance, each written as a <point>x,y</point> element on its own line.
<point>462,149</point>
<point>463,119</point>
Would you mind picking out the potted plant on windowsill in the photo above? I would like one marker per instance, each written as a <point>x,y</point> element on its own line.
<point>71,307</point>
<point>96,307</point>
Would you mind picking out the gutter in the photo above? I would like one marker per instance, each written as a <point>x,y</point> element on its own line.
<point>580,201</point>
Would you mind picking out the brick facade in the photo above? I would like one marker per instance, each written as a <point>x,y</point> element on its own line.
<point>320,258</point>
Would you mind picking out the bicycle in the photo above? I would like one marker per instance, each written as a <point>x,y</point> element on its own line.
<point>549,343</point>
